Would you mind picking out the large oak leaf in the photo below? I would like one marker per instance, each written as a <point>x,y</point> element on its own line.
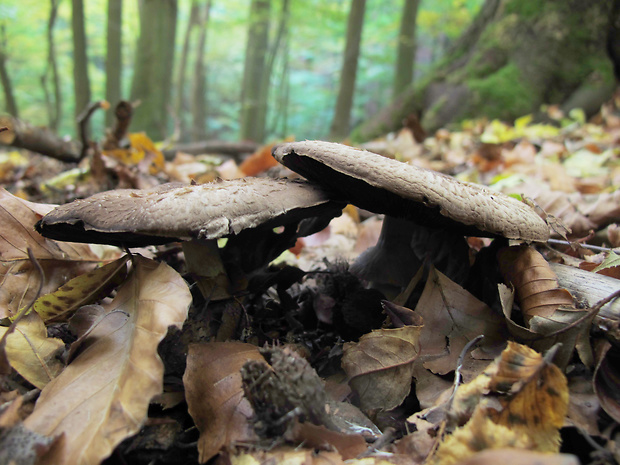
<point>103,395</point>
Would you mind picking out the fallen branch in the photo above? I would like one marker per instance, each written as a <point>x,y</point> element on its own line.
<point>21,134</point>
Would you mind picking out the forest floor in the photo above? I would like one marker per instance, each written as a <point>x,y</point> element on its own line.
<point>115,357</point>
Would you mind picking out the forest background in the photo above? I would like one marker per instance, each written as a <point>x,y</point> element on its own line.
<point>58,55</point>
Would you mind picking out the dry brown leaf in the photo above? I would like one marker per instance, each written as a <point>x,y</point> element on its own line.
<point>102,396</point>
<point>214,394</point>
<point>19,278</point>
<point>581,213</point>
<point>605,379</point>
<point>452,318</point>
<point>380,366</point>
<point>318,437</point>
<point>31,353</point>
<point>535,284</point>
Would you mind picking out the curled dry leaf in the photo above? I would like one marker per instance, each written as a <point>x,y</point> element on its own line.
<point>31,353</point>
<point>102,396</point>
<point>380,366</point>
<point>453,317</point>
<point>214,394</point>
<point>19,279</point>
<point>535,284</point>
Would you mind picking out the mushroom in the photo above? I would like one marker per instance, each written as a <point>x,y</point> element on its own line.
<point>400,190</point>
<point>245,210</point>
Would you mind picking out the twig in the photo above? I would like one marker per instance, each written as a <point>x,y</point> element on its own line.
<point>591,313</point>
<point>83,120</point>
<point>596,248</point>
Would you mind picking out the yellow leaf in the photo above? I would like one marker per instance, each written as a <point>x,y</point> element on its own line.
<point>82,290</point>
<point>103,395</point>
<point>140,147</point>
<point>31,353</point>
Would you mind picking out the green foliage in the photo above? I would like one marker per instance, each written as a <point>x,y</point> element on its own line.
<point>316,42</point>
<point>501,94</point>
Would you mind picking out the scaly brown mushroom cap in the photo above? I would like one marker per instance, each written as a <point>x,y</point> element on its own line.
<point>383,185</point>
<point>170,212</point>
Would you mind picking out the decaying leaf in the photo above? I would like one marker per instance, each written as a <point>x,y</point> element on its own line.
<point>380,366</point>
<point>521,392</point>
<point>81,290</point>
<point>452,318</point>
<point>19,279</point>
<point>214,394</point>
<point>535,284</point>
<point>31,353</point>
<point>102,396</point>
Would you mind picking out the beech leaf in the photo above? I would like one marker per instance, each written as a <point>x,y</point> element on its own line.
<point>380,366</point>
<point>31,353</point>
<point>19,279</point>
<point>103,395</point>
<point>214,394</point>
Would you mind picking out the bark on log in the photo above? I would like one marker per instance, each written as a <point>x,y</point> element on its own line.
<point>38,139</point>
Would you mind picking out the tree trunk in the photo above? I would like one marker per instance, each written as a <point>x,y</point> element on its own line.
<point>81,83</point>
<point>152,77</point>
<point>342,115</point>
<point>199,88</point>
<point>182,103</point>
<point>114,61</point>
<point>54,109</point>
<point>405,58</point>
<point>511,60</point>
<point>279,123</point>
<point>254,71</point>
<point>9,97</point>
<point>274,49</point>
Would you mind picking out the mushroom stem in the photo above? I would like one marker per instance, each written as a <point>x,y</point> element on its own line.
<point>389,265</point>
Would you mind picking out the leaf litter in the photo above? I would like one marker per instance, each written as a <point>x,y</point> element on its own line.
<point>273,364</point>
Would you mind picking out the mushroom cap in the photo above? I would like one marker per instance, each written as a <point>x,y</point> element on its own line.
<point>384,185</point>
<point>170,212</point>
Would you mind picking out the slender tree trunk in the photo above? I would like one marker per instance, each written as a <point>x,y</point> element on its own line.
<point>182,103</point>
<point>405,58</point>
<point>54,108</point>
<point>199,88</point>
<point>342,115</point>
<point>274,50</point>
<point>114,59</point>
<point>9,97</point>
<point>254,71</point>
<point>152,77</point>
<point>81,83</point>
<point>279,123</point>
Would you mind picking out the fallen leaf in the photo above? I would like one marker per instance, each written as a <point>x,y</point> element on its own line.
<point>19,278</point>
<point>102,396</point>
<point>605,379</point>
<point>522,392</point>
<point>81,290</point>
<point>453,317</point>
<point>380,366</point>
<point>519,457</point>
<point>535,284</point>
<point>31,353</point>
<point>214,394</point>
